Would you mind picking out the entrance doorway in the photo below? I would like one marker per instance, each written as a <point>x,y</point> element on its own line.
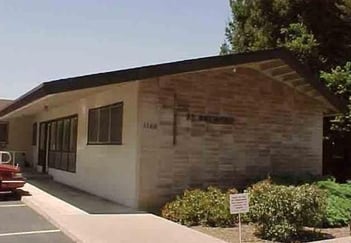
<point>43,146</point>
<point>58,144</point>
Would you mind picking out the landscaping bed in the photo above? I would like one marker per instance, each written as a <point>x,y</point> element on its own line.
<point>248,233</point>
<point>281,210</point>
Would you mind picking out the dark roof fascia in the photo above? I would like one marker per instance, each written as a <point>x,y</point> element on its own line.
<point>313,80</point>
<point>141,73</point>
<point>32,95</point>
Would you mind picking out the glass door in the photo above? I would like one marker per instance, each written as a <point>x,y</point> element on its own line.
<point>42,148</point>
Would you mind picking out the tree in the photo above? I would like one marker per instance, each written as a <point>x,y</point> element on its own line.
<point>339,81</point>
<point>318,32</point>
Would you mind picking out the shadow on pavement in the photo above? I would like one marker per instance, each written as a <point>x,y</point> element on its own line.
<point>80,199</point>
<point>313,235</point>
<point>13,196</point>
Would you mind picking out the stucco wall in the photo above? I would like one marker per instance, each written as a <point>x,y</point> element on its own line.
<point>105,170</point>
<point>276,130</point>
<point>20,137</point>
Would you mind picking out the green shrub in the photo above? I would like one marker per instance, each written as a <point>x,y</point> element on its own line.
<point>338,199</point>
<point>338,203</point>
<point>200,207</point>
<point>297,180</point>
<point>281,211</point>
<point>289,179</point>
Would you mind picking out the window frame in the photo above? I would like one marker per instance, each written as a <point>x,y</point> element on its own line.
<point>98,109</point>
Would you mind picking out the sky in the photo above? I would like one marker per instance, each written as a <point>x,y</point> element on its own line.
<point>43,40</point>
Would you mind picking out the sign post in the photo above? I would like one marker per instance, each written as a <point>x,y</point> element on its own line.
<point>239,203</point>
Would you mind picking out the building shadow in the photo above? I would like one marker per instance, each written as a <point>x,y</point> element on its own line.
<point>85,201</point>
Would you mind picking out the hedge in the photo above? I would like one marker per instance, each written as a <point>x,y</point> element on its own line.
<point>280,212</point>
<point>200,207</point>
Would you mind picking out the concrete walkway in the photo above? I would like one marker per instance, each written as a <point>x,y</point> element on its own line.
<point>89,203</point>
<point>97,220</point>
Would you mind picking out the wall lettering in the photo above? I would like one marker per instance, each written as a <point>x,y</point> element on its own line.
<point>211,118</point>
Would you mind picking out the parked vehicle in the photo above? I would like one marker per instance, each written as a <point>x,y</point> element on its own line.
<point>10,177</point>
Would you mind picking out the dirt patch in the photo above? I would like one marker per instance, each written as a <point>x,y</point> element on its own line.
<point>248,233</point>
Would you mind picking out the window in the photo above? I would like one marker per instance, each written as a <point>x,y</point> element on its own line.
<point>34,134</point>
<point>4,130</point>
<point>105,124</point>
<point>63,143</point>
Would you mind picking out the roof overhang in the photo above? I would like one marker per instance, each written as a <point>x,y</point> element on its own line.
<point>278,64</point>
<point>4,103</point>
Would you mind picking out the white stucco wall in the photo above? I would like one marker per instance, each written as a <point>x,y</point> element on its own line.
<point>109,171</point>
<point>20,136</point>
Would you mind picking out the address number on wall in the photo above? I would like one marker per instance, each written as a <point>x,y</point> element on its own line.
<point>150,125</point>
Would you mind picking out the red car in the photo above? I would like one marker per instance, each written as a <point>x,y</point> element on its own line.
<point>10,178</point>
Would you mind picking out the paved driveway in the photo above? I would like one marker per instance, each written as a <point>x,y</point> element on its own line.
<point>20,224</point>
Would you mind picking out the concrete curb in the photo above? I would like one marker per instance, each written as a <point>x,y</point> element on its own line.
<point>49,218</point>
<point>28,200</point>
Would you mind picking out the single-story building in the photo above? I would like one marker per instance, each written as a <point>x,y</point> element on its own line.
<point>139,136</point>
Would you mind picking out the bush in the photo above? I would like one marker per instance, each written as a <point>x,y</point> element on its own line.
<point>289,179</point>
<point>298,180</point>
<point>338,199</point>
<point>200,207</point>
<point>281,211</point>
<point>338,203</point>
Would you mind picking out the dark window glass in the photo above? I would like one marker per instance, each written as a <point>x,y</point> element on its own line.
<point>104,122</point>
<point>66,134</point>
<point>4,129</point>
<point>63,143</point>
<point>72,162</point>
<point>51,159</point>
<point>34,134</point>
<point>42,136</point>
<point>59,135</point>
<point>42,144</point>
<point>73,135</point>
<point>64,161</point>
<point>53,136</point>
<point>105,125</point>
<point>93,122</point>
<point>58,156</point>
<point>116,124</point>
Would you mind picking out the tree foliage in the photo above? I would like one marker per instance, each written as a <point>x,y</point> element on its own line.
<point>317,32</point>
<point>339,81</point>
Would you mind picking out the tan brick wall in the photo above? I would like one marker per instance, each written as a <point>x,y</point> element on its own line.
<point>276,130</point>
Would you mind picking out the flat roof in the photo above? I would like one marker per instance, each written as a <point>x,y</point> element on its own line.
<point>191,65</point>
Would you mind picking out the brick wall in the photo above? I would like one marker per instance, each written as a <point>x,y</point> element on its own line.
<point>275,130</point>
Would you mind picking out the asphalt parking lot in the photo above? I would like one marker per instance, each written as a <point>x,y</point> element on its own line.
<point>20,224</point>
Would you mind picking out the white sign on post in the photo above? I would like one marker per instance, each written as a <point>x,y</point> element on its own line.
<point>239,203</point>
